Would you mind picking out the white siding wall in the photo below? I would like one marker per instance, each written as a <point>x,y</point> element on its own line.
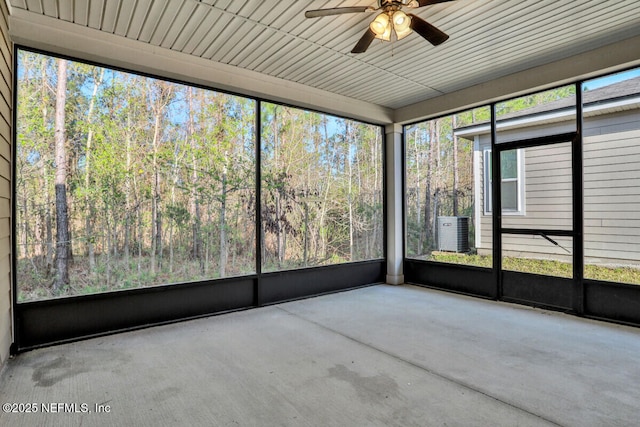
<point>6,82</point>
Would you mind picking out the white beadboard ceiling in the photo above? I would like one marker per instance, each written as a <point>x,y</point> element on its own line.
<point>488,39</point>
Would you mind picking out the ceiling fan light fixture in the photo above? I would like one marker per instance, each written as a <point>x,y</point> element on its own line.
<point>386,36</point>
<point>401,21</point>
<point>380,25</point>
<point>402,34</point>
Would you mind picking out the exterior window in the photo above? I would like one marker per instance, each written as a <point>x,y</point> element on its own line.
<point>511,186</point>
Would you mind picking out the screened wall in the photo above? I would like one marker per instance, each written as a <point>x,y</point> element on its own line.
<point>567,178</point>
<point>151,196</point>
<point>125,182</point>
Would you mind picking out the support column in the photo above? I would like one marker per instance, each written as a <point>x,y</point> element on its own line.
<point>395,220</point>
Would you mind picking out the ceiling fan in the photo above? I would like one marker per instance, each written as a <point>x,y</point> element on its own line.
<point>392,20</point>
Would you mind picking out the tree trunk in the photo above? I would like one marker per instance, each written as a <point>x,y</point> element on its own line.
<point>48,224</point>
<point>321,252</point>
<point>108,250</point>
<point>434,231</point>
<point>278,224</point>
<point>155,197</point>
<point>24,241</point>
<point>431,168</point>
<point>87,179</point>
<point>48,221</point>
<point>349,193</point>
<point>172,221</point>
<point>197,233</point>
<point>207,242</point>
<point>280,238</point>
<point>140,240</point>
<point>62,219</point>
<point>223,231</point>
<point>127,191</point>
<point>305,252</point>
<point>161,99</point>
<point>196,248</point>
<point>418,195</point>
<point>455,168</point>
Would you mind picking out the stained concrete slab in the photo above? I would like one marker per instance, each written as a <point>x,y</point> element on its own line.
<point>376,356</point>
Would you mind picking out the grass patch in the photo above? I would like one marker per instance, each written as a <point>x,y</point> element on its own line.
<point>617,274</point>
<point>542,266</point>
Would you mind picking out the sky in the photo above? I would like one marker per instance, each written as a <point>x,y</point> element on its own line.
<point>611,79</point>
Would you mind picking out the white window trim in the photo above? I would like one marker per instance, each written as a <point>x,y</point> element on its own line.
<point>486,187</point>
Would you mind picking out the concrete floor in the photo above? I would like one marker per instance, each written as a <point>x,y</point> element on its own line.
<point>376,356</point>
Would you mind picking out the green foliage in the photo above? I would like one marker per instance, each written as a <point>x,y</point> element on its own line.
<point>534,100</point>
<point>179,214</point>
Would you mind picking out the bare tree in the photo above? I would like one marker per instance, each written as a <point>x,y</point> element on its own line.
<point>162,93</point>
<point>87,176</point>
<point>62,220</point>
<point>455,166</point>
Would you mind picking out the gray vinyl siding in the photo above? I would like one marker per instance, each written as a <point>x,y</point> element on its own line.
<point>612,196</point>
<point>547,202</point>
<point>6,82</point>
<point>611,192</point>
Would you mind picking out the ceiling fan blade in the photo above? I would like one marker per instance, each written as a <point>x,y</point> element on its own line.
<point>336,11</point>
<point>364,42</point>
<point>428,31</point>
<point>422,3</point>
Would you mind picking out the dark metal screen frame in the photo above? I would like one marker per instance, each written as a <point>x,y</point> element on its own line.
<point>535,289</point>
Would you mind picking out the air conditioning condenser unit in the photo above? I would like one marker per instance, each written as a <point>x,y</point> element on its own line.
<point>453,233</point>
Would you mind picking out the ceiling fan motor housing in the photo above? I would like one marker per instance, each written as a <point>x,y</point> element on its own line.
<point>397,3</point>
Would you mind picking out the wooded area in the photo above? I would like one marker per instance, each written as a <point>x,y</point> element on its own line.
<point>125,181</point>
<point>322,193</point>
<point>439,177</point>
